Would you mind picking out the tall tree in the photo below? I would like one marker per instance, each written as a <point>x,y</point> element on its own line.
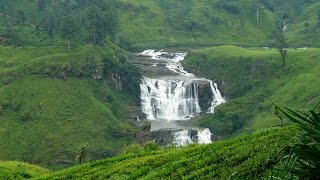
<point>11,32</point>
<point>318,23</point>
<point>21,17</point>
<point>102,22</point>
<point>258,7</point>
<point>306,26</point>
<point>49,24</point>
<point>280,43</point>
<point>41,4</point>
<point>81,155</point>
<point>69,28</point>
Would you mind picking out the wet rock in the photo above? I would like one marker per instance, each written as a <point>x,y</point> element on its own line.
<point>152,68</point>
<point>173,86</point>
<point>193,134</point>
<point>142,116</point>
<point>163,137</point>
<point>205,95</point>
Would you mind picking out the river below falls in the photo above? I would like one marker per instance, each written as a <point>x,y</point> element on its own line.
<point>171,98</point>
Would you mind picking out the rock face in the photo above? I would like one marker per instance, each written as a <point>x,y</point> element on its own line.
<point>165,137</point>
<point>205,95</point>
<point>152,68</point>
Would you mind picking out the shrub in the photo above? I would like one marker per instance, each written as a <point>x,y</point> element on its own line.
<point>133,148</point>
<point>151,146</point>
<point>303,157</point>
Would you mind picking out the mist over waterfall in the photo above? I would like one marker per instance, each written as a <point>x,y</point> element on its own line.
<point>170,95</point>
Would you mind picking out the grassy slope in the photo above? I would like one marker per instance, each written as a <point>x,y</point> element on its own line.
<point>18,170</point>
<point>300,13</point>
<point>45,119</point>
<point>194,23</point>
<point>203,23</point>
<point>253,79</point>
<point>248,156</point>
<point>191,23</point>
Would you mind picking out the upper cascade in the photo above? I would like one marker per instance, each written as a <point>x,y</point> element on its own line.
<point>169,99</point>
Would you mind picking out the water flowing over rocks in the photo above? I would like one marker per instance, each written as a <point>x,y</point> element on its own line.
<point>171,97</point>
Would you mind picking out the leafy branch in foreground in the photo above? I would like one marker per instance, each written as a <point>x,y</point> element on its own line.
<point>303,157</point>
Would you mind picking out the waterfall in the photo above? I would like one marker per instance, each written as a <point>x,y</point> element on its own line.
<point>204,136</point>
<point>174,98</point>
<point>285,27</point>
<point>152,53</point>
<point>169,99</point>
<point>217,98</point>
<point>182,138</point>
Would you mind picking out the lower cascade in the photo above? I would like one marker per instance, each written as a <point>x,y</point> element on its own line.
<point>185,137</point>
<point>172,96</point>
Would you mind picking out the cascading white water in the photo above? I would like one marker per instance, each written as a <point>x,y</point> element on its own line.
<point>152,53</point>
<point>285,27</point>
<point>217,97</point>
<point>204,136</point>
<point>182,138</point>
<point>176,98</point>
<point>169,99</point>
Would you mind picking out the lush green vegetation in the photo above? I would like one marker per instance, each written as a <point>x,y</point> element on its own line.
<point>302,158</point>
<point>245,157</point>
<point>18,170</point>
<point>66,87</point>
<point>192,23</point>
<point>53,101</point>
<point>216,22</point>
<point>169,23</point>
<point>42,21</point>
<point>303,21</point>
<point>252,79</point>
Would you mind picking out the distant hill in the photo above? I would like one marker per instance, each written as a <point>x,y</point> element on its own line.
<point>216,22</point>
<point>157,23</point>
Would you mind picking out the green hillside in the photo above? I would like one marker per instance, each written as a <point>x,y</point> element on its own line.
<point>303,21</point>
<point>252,79</point>
<point>245,157</point>
<point>193,23</point>
<point>52,102</point>
<point>171,23</point>
<point>216,22</point>
<point>18,170</point>
<point>68,93</point>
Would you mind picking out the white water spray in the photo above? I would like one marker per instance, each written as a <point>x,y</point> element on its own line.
<point>169,99</point>
<point>182,138</point>
<point>176,98</point>
<point>204,136</point>
<point>285,27</point>
<point>217,98</point>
